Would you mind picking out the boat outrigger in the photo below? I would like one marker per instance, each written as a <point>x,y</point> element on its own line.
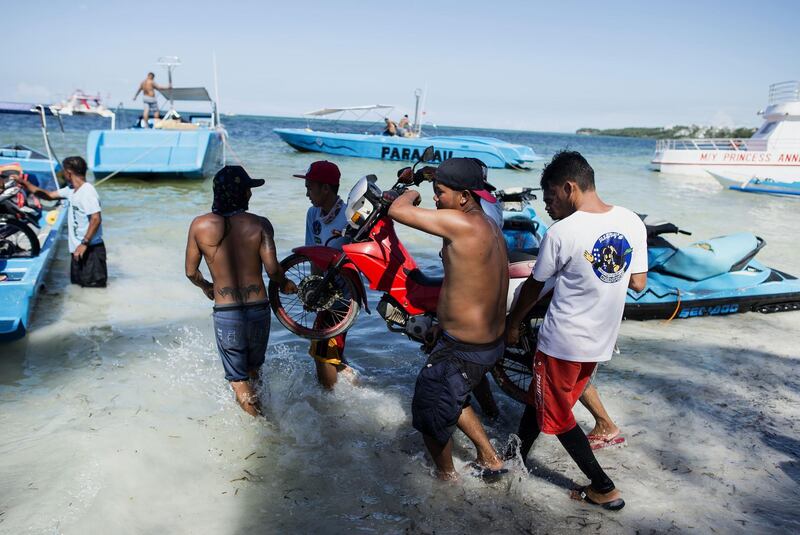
<point>755,184</point>
<point>175,146</point>
<point>26,248</point>
<point>493,152</point>
<point>773,151</point>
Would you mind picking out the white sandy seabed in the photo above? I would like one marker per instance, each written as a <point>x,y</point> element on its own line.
<point>116,419</point>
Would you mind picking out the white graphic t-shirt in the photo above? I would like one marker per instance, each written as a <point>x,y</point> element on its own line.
<point>592,257</point>
<point>82,203</point>
<point>320,228</point>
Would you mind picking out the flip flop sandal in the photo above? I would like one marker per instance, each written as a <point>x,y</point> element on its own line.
<point>580,494</point>
<point>598,442</point>
<point>487,474</point>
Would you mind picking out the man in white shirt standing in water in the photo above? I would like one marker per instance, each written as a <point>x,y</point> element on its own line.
<point>596,252</point>
<point>324,223</point>
<point>85,224</point>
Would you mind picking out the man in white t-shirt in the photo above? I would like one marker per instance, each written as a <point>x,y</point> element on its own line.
<point>85,226</point>
<point>595,252</point>
<point>324,223</point>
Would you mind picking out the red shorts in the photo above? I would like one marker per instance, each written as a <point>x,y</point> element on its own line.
<point>557,384</point>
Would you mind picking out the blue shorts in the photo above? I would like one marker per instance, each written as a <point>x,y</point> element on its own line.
<point>443,386</point>
<point>242,333</point>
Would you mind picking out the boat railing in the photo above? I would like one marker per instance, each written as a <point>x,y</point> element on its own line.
<point>717,144</point>
<point>788,91</point>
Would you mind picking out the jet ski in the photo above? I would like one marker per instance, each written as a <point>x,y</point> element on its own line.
<point>714,277</point>
<point>523,229</point>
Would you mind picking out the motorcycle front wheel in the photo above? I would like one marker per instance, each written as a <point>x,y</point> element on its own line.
<point>17,240</point>
<point>318,310</point>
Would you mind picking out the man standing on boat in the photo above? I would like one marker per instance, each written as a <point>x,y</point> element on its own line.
<point>235,245</point>
<point>85,224</point>
<point>471,311</point>
<point>595,252</point>
<point>325,220</point>
<point>147,89</point>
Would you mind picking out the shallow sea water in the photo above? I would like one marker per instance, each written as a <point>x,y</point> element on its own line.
<point>115,416</point>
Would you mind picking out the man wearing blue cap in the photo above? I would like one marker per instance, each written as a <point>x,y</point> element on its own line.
<point>235,245</point>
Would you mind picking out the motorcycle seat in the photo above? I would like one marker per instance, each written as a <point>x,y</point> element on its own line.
<point>706,259</point>
<point>424,280</point>
<point>520,270</point>
<point>520,223</point>
<point>522,255</point>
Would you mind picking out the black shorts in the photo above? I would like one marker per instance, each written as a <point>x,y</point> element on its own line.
<point>443,386</point>
<point>90,271</point>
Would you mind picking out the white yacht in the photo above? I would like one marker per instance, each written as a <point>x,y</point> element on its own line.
<point>773,151</point>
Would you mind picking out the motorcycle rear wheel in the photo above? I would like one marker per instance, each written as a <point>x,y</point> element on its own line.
<point>332,313</point>
<point>17,240</point>
<point>513,373</point>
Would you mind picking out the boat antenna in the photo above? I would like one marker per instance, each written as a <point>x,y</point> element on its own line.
<point>417,94</point>
<point>424,100</point>
<point>216,86</point>
<point>51,153</point>
<point>170,62</point>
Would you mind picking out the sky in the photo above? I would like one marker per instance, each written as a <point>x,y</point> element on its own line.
<point>529,65</point>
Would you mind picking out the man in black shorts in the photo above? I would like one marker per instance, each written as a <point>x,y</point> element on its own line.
<point>84,222</point>
<point>471,311</point>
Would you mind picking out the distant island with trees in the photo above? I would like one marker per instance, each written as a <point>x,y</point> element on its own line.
<point>671,132</point>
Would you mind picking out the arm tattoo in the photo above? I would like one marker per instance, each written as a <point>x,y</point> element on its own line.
<point>198,279</point>
<point>239,294</point>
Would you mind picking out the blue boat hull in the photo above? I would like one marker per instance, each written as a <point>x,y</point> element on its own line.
<point>142,152</point>
<point>25,277</point>
<point>493,152</point>
<point>766,185</point>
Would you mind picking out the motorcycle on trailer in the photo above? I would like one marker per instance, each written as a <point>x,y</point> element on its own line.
<point>330,281</point>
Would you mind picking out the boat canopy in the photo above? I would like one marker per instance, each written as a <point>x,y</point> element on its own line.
<point>186,93</point>
<point>330,111</point>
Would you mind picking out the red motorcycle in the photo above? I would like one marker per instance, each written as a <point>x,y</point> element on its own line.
<point>329,281</point>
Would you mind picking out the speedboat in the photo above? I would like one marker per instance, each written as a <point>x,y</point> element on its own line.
<point>773,151</point>
<point>22,269</point>
<point>176,146</point>
<point>755,184</point>
<point>80,103</point>
<point>493,152</point>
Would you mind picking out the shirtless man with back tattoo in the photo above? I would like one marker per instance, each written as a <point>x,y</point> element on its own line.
<point>235,245</point>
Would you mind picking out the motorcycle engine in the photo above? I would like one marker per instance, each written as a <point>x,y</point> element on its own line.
<point>417,327</point>
<point>393,314</point>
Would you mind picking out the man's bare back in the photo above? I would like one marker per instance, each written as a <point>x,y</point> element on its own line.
<point>472,303</point>
<point>235,262</point>
<point>147,87</point>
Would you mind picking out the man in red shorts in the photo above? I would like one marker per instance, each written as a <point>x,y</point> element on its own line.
<point>595,251</point>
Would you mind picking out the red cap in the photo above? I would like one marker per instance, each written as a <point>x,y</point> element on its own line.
<point>323,171</point>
